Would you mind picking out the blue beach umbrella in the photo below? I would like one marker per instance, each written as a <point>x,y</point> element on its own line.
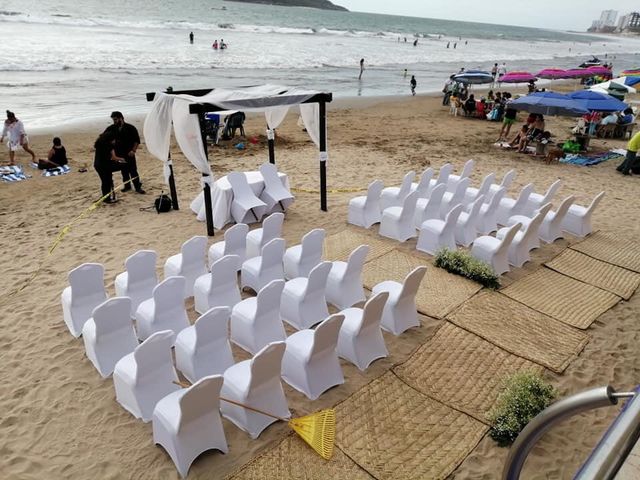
<point>549,103</point>
<point>597,102</point>
<point>475,77</point>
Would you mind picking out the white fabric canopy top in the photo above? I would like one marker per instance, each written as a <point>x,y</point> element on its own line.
<point>274,100</point>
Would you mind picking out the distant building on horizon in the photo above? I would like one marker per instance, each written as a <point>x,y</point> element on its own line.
<point>608,18</point>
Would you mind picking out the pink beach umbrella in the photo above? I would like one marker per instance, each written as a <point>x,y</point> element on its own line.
<point>578,73</point>
<point>599,70</point>
<point>518,77</point>
<point>552,73</point>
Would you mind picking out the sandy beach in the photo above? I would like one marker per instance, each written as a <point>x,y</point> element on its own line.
<point>60,419</point>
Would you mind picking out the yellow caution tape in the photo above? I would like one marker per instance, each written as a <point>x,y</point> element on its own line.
<point>61,234</point>
<point>335,190</point>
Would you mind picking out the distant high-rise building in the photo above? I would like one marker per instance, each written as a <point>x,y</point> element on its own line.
<point>634,21</point>
<point>608,18</point>
<point>623,22</point>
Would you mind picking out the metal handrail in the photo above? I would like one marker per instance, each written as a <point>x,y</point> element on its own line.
<point>610,453</point>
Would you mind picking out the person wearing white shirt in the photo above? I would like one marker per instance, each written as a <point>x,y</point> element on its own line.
<point>14,129</point>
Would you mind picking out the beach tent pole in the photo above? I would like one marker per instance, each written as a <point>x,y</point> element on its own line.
<point>205,176</point>
<point>271,144</point>
<point>172,185</point>
<point>322,122</point>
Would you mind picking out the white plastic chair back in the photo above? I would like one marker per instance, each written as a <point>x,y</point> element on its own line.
<point>312,245</point>
<point>475,209</point>
<point>240,186</point>
<point>113,316</point>
<point>450,221</point>
<point>200,400</point>
<point>551,191</point>
<point>454,180</point>
<point>405,187</point>
<point>235,241</point>
<point>224,272</point>
<point>355,263</point>
<point>272,254</point>
<point>272,227</point>
<point>244,199</point>
<point>268,299</point>
<point>193,253</point>
<point>594,203</point>
<point>325,336</point>
<point>168,294</point>
<point>374,190</point>
<point>411,284</point>
<point>265,365</point>
<point>222,288</point>
<point>154,354</point>
<point>486,184</point>
<point>456,198</point>
<point>141,268</point>
<point>552,225</point>
<point>317,281</point>
<point>443,175</point>
<point>423,185</point>
<point>577,220</point>
<point>522,198</point>
<point>507,240</point>
<point>211,326</point>
<point>467,169</point>
<point>86,291</point>
<point>275,193</point>
<point>408,209</point>
<point>508,179</point>
<point>372,313</point>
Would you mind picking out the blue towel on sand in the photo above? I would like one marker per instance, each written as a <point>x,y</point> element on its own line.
<point>54,172</point>
<point>13,173</point>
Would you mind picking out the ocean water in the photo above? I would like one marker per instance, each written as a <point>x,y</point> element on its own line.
<point>64,61</point>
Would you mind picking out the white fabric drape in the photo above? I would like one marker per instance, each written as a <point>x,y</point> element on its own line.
<point>187,131</point>
<point>310,113</point>
<point>275,116</point>
<point>157,130</point>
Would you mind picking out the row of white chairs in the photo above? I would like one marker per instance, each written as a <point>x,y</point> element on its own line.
<point>247,207</point>
<point>144,375</point>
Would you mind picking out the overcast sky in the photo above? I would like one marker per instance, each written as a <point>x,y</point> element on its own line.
<point>556,14</point>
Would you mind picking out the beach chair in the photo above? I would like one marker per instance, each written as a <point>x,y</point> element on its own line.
<point>257,272</point>
<point>255,321</point>
<point>465,231</point>
<point>85,292</point>
<point>436,234</point>
<point>495,251</point>
<point>360,340</point>
<point>256,382</point>
<point>218,288</point>
<point>259,237</point>
<point>471,194</point>
<point>310,363</point>
<point>146,375</point>
<point>275,194</point>
<point>165,310</point>
<point>524,240</point>
<point>139,279</point>
<point>300,259</point>
<point>187,423</point>
<point>536,200</point>
<point>488,215</point>
<point>344,283</point>
<point>234,243</point>
<point>400,312</point>
<point>394,196</point>
<point>551,227</point>
<point>454,180</point>
<point>577,221</point>
<point>364,211</point>
<point>398,222</point>
<point>509,207</point>
<point>303,302</point>
<point>245,207</point>
<point>190,263</point>
<point>109,334</point>
<point>429,208</point>
<point>450,199</point>
<point>203,349</point>
<point>422,187</point>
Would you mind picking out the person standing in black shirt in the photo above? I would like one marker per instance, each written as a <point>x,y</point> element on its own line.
<point>127,141</point>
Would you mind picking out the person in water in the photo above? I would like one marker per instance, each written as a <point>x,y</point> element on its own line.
<point>215,44</point>
<point>191,38</point>
<point>413,85</point>
<point>222,44</point>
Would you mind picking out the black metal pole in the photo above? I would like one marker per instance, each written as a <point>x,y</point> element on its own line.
<point>322,122</point>
<point>271,143</point>
<point>206,189</point>
<point>172,185</point>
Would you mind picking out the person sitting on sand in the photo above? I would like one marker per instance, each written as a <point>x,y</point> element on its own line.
<point>57,156</point>
<point>470,106</point>
<point>17,137</point>
<point>522,134</point>
<point>534,133</point>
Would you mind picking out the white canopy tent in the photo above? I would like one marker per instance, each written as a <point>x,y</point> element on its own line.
<point>186,110</point>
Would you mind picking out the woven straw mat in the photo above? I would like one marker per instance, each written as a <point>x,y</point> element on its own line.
<point>340,245</point>
<point>293,459</point>
<point>612,249</point>
<point>600,274</point>
<point>395,432</point>
<point>563,298</point>
<point>520,330</point>
<point>461,370</point>
<point>439,292</point>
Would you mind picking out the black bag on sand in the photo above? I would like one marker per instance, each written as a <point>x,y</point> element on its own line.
<point>163,203</point>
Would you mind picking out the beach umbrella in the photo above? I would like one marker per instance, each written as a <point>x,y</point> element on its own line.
<point>578,73</point>
<point>551,73</point>
<point>632,72</point>
<point>549,103</point>
<point>615,90</point>
<point>474,77</point>
<point>597,102</point>
<point>617,83</point>
<point>518,77</point>
<point>599,70</point>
